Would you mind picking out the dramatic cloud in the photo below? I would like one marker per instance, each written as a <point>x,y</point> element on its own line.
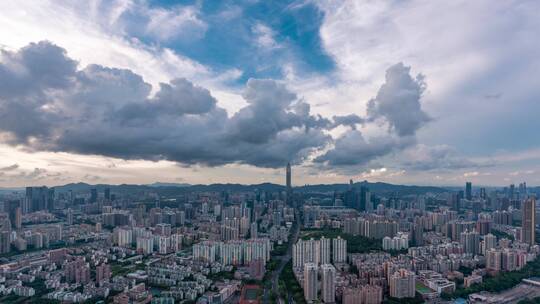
<point>353,149</point>
<point>105,111</point>
<point>398,101</point>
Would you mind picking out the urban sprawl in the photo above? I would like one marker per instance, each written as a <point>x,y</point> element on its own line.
<point>354,243</point>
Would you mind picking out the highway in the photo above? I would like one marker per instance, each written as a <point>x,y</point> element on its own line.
<point>283,261</point>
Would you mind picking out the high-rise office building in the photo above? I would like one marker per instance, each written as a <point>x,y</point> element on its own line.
<point>5,241</point>
<point>468,191</point>
<point>38,198</point>
<point>453,201</point>
<point>483,193</point>
<point>328,290</point>
<point>18,218</point>
<point>288,182</point>
<point>339,250</point>
<point>528,221</point>
<point>523,190</point>
<point>365,199</point>
<point>93,195</point>
<point>310,282</point>
<point>107,194</point>
<point>402,284</point>
<point>70,216</point>
<point>511,191</point>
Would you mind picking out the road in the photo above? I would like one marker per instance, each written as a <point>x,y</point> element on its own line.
<point>283,261</point>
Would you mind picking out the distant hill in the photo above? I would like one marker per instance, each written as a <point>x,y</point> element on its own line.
<point>179,188</point>
<point>378,188</point>
<point>160,184</point>
<point>174,188</point>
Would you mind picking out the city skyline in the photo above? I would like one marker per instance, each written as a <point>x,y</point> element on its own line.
<point>362,243</point>
<point>139,92</point>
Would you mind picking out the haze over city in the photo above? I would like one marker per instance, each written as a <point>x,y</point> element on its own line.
<point>205,92</point>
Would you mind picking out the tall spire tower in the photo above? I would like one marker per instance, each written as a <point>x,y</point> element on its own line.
<point>288,184</point>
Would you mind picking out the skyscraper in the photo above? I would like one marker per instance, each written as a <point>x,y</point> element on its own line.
<point>328,290</point>
<point>310,282</point>
<point>70,216</point>
<point>93,195</point>
<point>18,218</point>
<point>468,191</point>
<point>288,184</point>
<point>38,198</point>
<point>365,199</point>
<point>528,221</point>
<point>483,193</point>
<point>5,243</point>
<point>511,191</point>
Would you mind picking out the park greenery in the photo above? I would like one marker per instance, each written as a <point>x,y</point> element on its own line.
<point>280,250</point>
<point>501,235</point>
<point>289,282</point>
<point>530,301</point>
<point>500,282</point>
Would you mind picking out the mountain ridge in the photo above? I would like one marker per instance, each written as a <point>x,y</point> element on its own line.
<point>172,188</point>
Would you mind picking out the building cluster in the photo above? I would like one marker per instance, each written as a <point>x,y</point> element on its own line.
<point>321,251</point>
<point>236,252</point>
<point>447,241</point>
<point>130,244</point>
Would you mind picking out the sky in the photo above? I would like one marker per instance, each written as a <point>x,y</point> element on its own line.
<point>134,91</point>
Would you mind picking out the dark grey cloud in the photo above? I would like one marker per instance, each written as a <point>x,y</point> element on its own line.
<point>353,149</point>
<point>351,120</point>
<point>271,109</point>
<point>106,111</point>
<point>34,69</point>
<point>29,81</point>
<point>398,101</point>
<point>48,104</point>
